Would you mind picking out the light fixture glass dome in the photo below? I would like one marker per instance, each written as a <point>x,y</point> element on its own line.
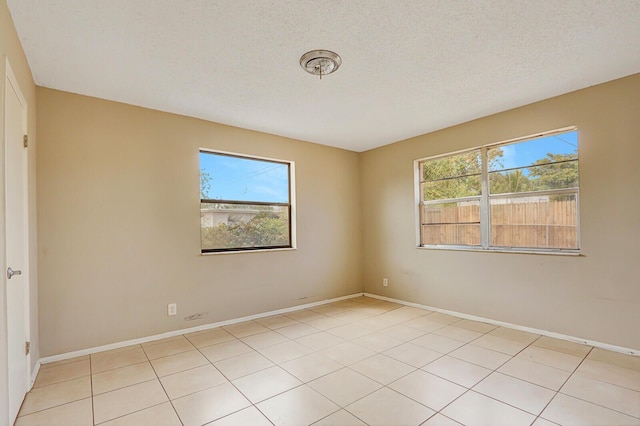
<point>320,62</point>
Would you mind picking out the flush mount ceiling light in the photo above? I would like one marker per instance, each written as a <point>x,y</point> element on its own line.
<point>320,62</point>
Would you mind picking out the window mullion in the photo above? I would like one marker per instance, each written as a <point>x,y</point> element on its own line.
<point>485,217</point>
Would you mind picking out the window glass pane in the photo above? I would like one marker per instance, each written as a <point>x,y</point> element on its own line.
<point>453,166</point>
<point>226,177</point>
<point>228,226</point>
<point>458,235</point>
<point>537,178</point>
<point>545,221</point>
<point>455,223</point>
<point>467,186</point>
<point>547,149</point>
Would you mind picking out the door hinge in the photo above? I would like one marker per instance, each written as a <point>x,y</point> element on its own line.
<point>27,348</point>
<point>25,141</point>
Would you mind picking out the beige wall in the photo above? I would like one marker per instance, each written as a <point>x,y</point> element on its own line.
<point>11,48</point>
<point>595,296</point>
<point>118,213</point>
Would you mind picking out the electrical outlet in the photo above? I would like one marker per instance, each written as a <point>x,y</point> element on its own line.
<point>172,309</point>
<point>385,282</point>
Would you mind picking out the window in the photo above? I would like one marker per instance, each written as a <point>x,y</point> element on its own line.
<point>245,203</point>
<point>517,195</point>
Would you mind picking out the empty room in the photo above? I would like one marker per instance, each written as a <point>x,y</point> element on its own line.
<point>407,212</point>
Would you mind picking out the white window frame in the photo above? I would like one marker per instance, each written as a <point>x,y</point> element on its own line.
<point>292,205</point>
<point>485,197</point>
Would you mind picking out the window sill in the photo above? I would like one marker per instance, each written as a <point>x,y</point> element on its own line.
<point>499,250</point>
<point>215,253</point>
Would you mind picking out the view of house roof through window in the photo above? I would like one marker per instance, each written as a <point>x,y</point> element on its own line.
<point>245,203</point>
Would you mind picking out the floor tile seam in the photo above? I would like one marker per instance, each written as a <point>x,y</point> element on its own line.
<point>343,407</point>
<point>584,357</point>
<point>509,404</point>
<point>563,352</point>
<point>274,395</point>
<point>320,350</point>
<point>603,380</point>
<point>452,355</point>
<point>133,412</point>
<point>207,387</point>
<point>131,385</point>
<point>114,351</point>
<point>528,381</point>
<point>495,370</point>
<point>163,389</point>
<point>125,387</point>
<point>373,355</point>
<point>245,375</point>
<point>262,412</point>
<point>212,362</point>
<point>233,338</point>
<point>162,341</point>
<point>512,405</point>
<point>375,350</point>
<point>451,381</point>
<point>181,371</point>
<point>306,321</point>
<point>423,330</point>
<point>60,363</point>
<point>402,395</point>
<point>117,368</point>
<point>614,364</point>
<point>35,386</point>
<point>278,363</point>
<point>48,366</point>
<point>235,412</point>
<point>422,403</point>
<point>334,412</point>
<point>170,354</point>
<point>600,405</point>
<point>93,411</point>
<point>414,369</point>
<point>56,406</point>
<point>306,382</point>
<point>563,384</point>
<point>482,333</point>
<point>59,383</point>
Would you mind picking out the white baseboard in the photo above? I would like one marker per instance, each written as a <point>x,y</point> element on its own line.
<point>34,374</point>
<point>594,343</point>
<point>117,345</point>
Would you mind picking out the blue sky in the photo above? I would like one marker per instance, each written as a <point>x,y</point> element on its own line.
<point>525,153</point>
<point>235,178</point>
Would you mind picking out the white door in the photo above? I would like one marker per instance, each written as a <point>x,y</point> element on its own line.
<point>17,242</point>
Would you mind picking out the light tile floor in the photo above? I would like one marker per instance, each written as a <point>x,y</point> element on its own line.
<point>356,362</point>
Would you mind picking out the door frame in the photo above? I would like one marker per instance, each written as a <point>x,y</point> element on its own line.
<point>11,80</point>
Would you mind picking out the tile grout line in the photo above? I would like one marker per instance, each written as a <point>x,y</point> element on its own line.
<point>563,383</point>
<point>162,385</point>
<point>93,411</point>
<point>492,371</point>
<point>372,328</point>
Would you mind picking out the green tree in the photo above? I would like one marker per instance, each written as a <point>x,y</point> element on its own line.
<point>456,176</point>
<point>507,182</point>
<point>563,173</point>
<point>267,228</point>
<point>205,184</point>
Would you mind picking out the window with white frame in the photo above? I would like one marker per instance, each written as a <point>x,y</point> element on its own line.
<point>245,203</point>
<point>520,195</point>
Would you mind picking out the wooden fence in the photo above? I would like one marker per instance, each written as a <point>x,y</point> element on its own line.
<point>531,223</point>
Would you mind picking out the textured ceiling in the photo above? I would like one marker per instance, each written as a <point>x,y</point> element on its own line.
<point>409,67</point>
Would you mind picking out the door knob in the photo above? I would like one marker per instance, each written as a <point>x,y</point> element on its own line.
<point>11,273</point>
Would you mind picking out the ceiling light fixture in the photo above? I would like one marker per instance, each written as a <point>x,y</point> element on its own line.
<point>320,62</point>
